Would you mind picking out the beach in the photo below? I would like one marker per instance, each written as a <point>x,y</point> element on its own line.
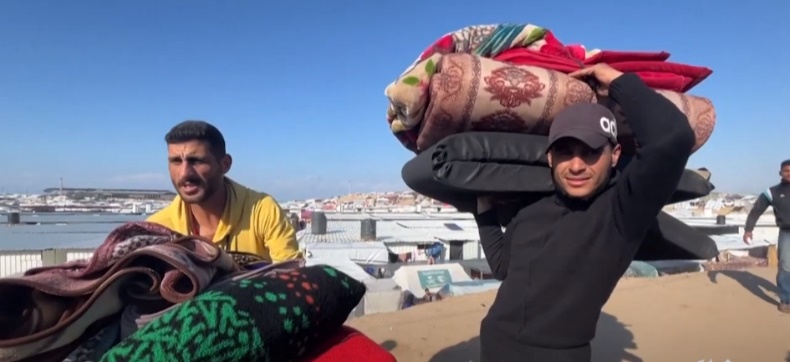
<point>713,317</point>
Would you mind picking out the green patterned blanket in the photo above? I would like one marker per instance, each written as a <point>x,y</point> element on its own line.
<point>274,317</point>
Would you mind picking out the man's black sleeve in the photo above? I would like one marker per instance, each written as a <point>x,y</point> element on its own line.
<point>759,208</point>
<point>665,140</point>
<point>495,243</point>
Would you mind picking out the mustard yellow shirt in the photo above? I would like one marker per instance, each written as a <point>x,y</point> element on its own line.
<point>252,222</point>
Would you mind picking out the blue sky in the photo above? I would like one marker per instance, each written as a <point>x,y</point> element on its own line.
<point>89,88</point>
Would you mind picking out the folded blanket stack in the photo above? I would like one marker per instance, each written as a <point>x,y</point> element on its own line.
<point>476,107</point>
<point>270,317</point>
<point>151,294</point>
<point>513,78</point>
<point>49,310</point>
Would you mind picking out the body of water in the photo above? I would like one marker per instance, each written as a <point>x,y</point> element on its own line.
<point>60,230</point>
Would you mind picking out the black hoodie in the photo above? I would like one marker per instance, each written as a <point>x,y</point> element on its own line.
<point>559,261</point>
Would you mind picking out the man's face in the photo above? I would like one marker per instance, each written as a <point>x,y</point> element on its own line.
<point>785,173</point>
<point>580,170</point>
<point>196,172</point>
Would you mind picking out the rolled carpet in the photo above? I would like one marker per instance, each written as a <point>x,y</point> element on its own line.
<point>470,93</point>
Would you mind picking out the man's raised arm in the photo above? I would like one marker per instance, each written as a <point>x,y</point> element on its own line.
<point>665,140</point>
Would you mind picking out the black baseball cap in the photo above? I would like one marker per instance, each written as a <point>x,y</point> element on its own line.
<point>590,123</point>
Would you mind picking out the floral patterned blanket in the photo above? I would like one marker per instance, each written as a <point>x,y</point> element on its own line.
<point>513,78</point>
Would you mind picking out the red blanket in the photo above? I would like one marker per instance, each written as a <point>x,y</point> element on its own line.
<point>550,53</point>
<point>350,345</point>
<point>652,67</point>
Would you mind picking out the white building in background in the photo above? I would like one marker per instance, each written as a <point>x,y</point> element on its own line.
<point>396,233</point>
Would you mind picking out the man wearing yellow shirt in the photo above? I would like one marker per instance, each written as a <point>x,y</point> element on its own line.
<point>215,207</point>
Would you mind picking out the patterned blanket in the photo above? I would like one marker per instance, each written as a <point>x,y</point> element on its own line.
<point>133,318</point>
<point>49,308</point>
<point>512,78</point>
<point>272,317</point>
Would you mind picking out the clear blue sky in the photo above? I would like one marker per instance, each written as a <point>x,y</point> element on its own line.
<point>89,88</point>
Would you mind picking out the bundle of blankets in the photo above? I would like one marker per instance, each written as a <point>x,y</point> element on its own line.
<point>150,294</point>
<point>476,107</point>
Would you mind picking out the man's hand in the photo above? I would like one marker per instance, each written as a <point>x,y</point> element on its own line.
<point>603,73</point>
<point>484,203</point>
<point>747,237</point>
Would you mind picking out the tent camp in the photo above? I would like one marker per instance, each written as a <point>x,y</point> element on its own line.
<point>417,278</point>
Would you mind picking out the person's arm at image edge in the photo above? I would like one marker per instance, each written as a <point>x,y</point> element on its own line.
<point>665,141</point>
<point>277,231</point>
<point>760,205</point>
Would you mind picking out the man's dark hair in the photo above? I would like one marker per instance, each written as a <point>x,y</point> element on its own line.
<point>198,131</point>
<point>785,163</point>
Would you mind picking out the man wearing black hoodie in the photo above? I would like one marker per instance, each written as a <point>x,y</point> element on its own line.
<point>777,196</point>
<point>561,256</point>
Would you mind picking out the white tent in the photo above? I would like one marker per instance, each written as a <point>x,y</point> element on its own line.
<point>417,278</point>
<point>375,253</point>
<point>342,264</point>
<point>471,287</point>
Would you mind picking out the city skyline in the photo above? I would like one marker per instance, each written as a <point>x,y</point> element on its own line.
<point>350,188</point>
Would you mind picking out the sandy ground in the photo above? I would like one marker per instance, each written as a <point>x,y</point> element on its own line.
<point>712,317</point>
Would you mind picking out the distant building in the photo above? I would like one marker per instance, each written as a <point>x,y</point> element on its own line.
<point>133,194</point>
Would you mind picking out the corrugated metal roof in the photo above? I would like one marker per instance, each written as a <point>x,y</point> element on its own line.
<point>426,231</point>
<point>350,216</point>
<point>336,232</point>
<point>339,216</point>
<point>424,216</point>
<point>61,230</point>
<point>452,216</point>
<point>437,224</point>
<point>399,216</point>
<point>20,237</point>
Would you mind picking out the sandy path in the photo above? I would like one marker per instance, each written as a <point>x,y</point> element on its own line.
<point>682,318</point>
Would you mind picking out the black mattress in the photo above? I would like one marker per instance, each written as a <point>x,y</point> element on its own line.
<point>509,148</point>
<point>464,166</point>
<point>672,239</point>
<point>514,167</point>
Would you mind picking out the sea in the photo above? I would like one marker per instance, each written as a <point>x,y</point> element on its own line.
<point>59,230</point>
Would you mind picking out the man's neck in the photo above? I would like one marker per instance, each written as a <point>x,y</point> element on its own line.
<point>209,212</point>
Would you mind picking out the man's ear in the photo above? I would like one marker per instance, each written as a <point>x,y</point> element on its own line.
<point>226,162</point>
<point>548,156</point>
<point>616,151</point>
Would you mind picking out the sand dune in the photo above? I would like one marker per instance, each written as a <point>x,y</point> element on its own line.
<point>717,316</point>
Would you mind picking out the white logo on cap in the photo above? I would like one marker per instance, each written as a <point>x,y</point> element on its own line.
<point>609,126</point>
